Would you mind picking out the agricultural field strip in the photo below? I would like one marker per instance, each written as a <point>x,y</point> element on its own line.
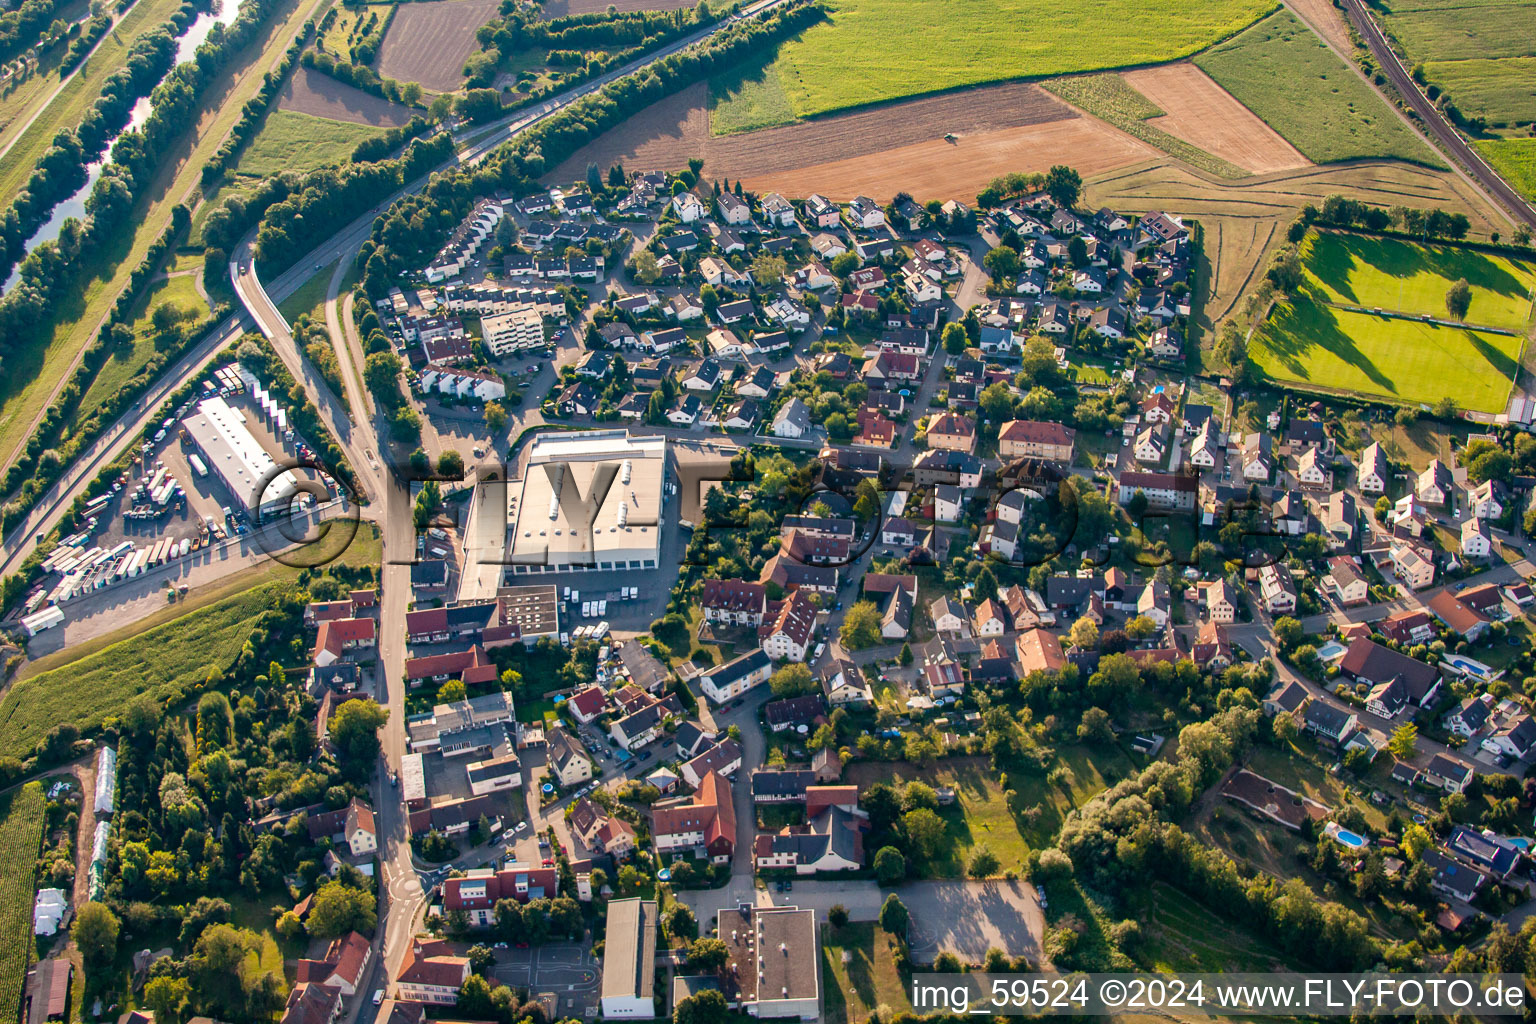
<point>21,836</point>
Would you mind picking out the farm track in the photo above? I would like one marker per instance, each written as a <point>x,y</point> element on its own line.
<point>310,92</point>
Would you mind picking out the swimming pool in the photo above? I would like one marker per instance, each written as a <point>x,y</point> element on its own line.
<point>1349,839</point>
<point>1519,842</point>
<point>1330,650</point>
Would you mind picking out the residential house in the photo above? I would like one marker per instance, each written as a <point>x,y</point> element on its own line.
<point>1374,472</point>
<point>1036,439</point>
<point>1397,681</point>
<point>703,824</point>
<point>736,677</point>
<point>952,432</point>
<point>1348,586</point>
<point>1435,485</point>
<point>788,636</point>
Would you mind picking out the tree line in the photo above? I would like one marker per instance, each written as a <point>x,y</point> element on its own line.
<point>23,27</point>
<point>504,36</point>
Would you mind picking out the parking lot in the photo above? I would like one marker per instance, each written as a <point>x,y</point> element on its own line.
<point>565,970</point>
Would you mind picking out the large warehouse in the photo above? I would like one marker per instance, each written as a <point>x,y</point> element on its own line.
<point>589,500</point>
<point>238,459</point>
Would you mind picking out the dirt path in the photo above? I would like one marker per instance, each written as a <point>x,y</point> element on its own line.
<point>85,835</point>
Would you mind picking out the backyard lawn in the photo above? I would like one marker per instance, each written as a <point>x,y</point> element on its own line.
<point>1409,277</point>
<point>1406,361</point>
<point>1287,76</point>
<point>860,972</point>
<point>873,51</point>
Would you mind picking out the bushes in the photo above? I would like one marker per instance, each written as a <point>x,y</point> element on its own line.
<point>379,147</point>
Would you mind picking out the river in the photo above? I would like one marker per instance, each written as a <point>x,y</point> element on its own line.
<point>74,206</point>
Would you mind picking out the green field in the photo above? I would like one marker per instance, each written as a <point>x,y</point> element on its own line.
<point>291,141</point>
<point>167,661</point>
<point>21,836</point>
<point>1111,98</point>
<point>871,51</point>
<point>1482,54</point>
<point>1515,159</point>
<point>1399,360</point>
<point>746,98</point>
<point>310,298</point>
<point>181,292</point>
<point>869,979</point>
<point>1500,91</point>
<point>1407,277</point>
<point>1287,76</point>
<point>1183,936</point>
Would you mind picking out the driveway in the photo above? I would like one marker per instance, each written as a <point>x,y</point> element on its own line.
<point>963,917</point>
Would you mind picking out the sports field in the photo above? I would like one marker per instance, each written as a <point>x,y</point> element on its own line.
<point>871,51</point>
<point>1407,277</point>
<point>1483,55</point>
<point>1515,159</point>
<point>1285,74</point>
<point>1406,361</point>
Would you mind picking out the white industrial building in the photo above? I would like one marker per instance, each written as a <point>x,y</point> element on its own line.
<point>238,459</point>
<point>610,482</point>
<point>629,960</point>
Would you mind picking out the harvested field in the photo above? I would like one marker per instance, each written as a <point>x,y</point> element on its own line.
<point>1002,128</point>
<point>428,42</point>
<point>318,95</point>
<point>560,8</point>
<point>1204,114</point>
<point>1325,19</point>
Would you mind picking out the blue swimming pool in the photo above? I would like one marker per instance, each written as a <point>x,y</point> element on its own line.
<point>1349,839</point>
<point>1330,650</point>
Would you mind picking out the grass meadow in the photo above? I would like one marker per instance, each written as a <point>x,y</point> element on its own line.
<point>1482,54</point>
<point>1515,159</point>
<point>181,292</point>
<point>868,978</point>
<point>1502,91</point>
<point>872,51</point>
<point>1287,76</point>
<point>748,97</point>
<point>291,141</point>
<point>21,835</point>
<point>1408,277</point>
<point>1408,361</point>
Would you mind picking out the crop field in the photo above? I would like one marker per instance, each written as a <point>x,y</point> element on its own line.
<point>181,292</point>
<point>1503,91</point>
<point>868,52</point>
<point>1407,277</point>
<point>560,8</point>
<point>879,152</point>
<point>21,836</point>
<point>1203,114</point>
<point>1407,361</point>
<point>428,42</point>
<point>1515,159</point>
<point>166,661</point>
<point>746,98</point>
<point>301,142</point>
<point>310,92</point>
<point>1287,76</point>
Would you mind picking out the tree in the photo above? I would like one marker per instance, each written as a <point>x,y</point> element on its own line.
<point>844,264</point>
<point>955,339</point>
<point>861,628</point>
<point>1416,839</point>
<point>1095,726</point>
<point>481,958</point>
<point>381,372</point>
<point>1064,185</point>
<point>165,996</point>
<point>905,657</point>
<point>890,866</point>
<point>767,269</point>
<point>1084,633</point>
<point>837,917</point>
<point>706,1007</point>
<point>355,729</point>
<point>451,465</point>
<point>1288,632</point>
<point>984,862</point>
<point>1458,299</point>
<point>1140,628</point>
<point>646,270</point>
<point>338,908</point>
<point>95,932</point>
<point>681,923</point>
<point>708,954</point>
<point>894,917</point>
<point>791,680</point>
<point>1077,251</point>
<point>451,691</point>
<point>1405,741</point>
<point>924,831</point>
<point>1002,262</point>
<point>496,417</point>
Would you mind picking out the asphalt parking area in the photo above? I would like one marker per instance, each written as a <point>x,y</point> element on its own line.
<point>565,969</point>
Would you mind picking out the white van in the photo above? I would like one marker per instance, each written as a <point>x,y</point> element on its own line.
<point>602,608</point>
<point>586,609</point>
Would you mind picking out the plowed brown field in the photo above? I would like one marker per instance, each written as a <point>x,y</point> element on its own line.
<point>429,41</point>
<point>560,8</point>
<point>898,147</point>
<point>310,92</point>
<point>1204,114</point>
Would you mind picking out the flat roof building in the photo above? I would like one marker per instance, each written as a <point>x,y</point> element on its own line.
<point>771,970</point>
<point>238,459</point>
<point>589,500</point>
<point>629,959</point>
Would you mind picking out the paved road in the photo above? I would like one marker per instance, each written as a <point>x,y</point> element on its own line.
<point>1431,118</point>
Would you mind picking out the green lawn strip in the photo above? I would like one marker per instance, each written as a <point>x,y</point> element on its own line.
<point>69,106</point>
<point>859,968</point>
<point>310,298</point>
<point>747,98</point>
<point>291,141</point>
<point>1111,98</point>
<point>1454,33</point>
<point>1183,936</point>
<point>1515,159</point>
<point>21,836</point>
<point>181,292</point>
<point>1408,361</point>
<point>32,374</point>
<point>1287,76</point>
<point>1502,90</point>
<point>1400,276</point>
<point>873,51</point>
